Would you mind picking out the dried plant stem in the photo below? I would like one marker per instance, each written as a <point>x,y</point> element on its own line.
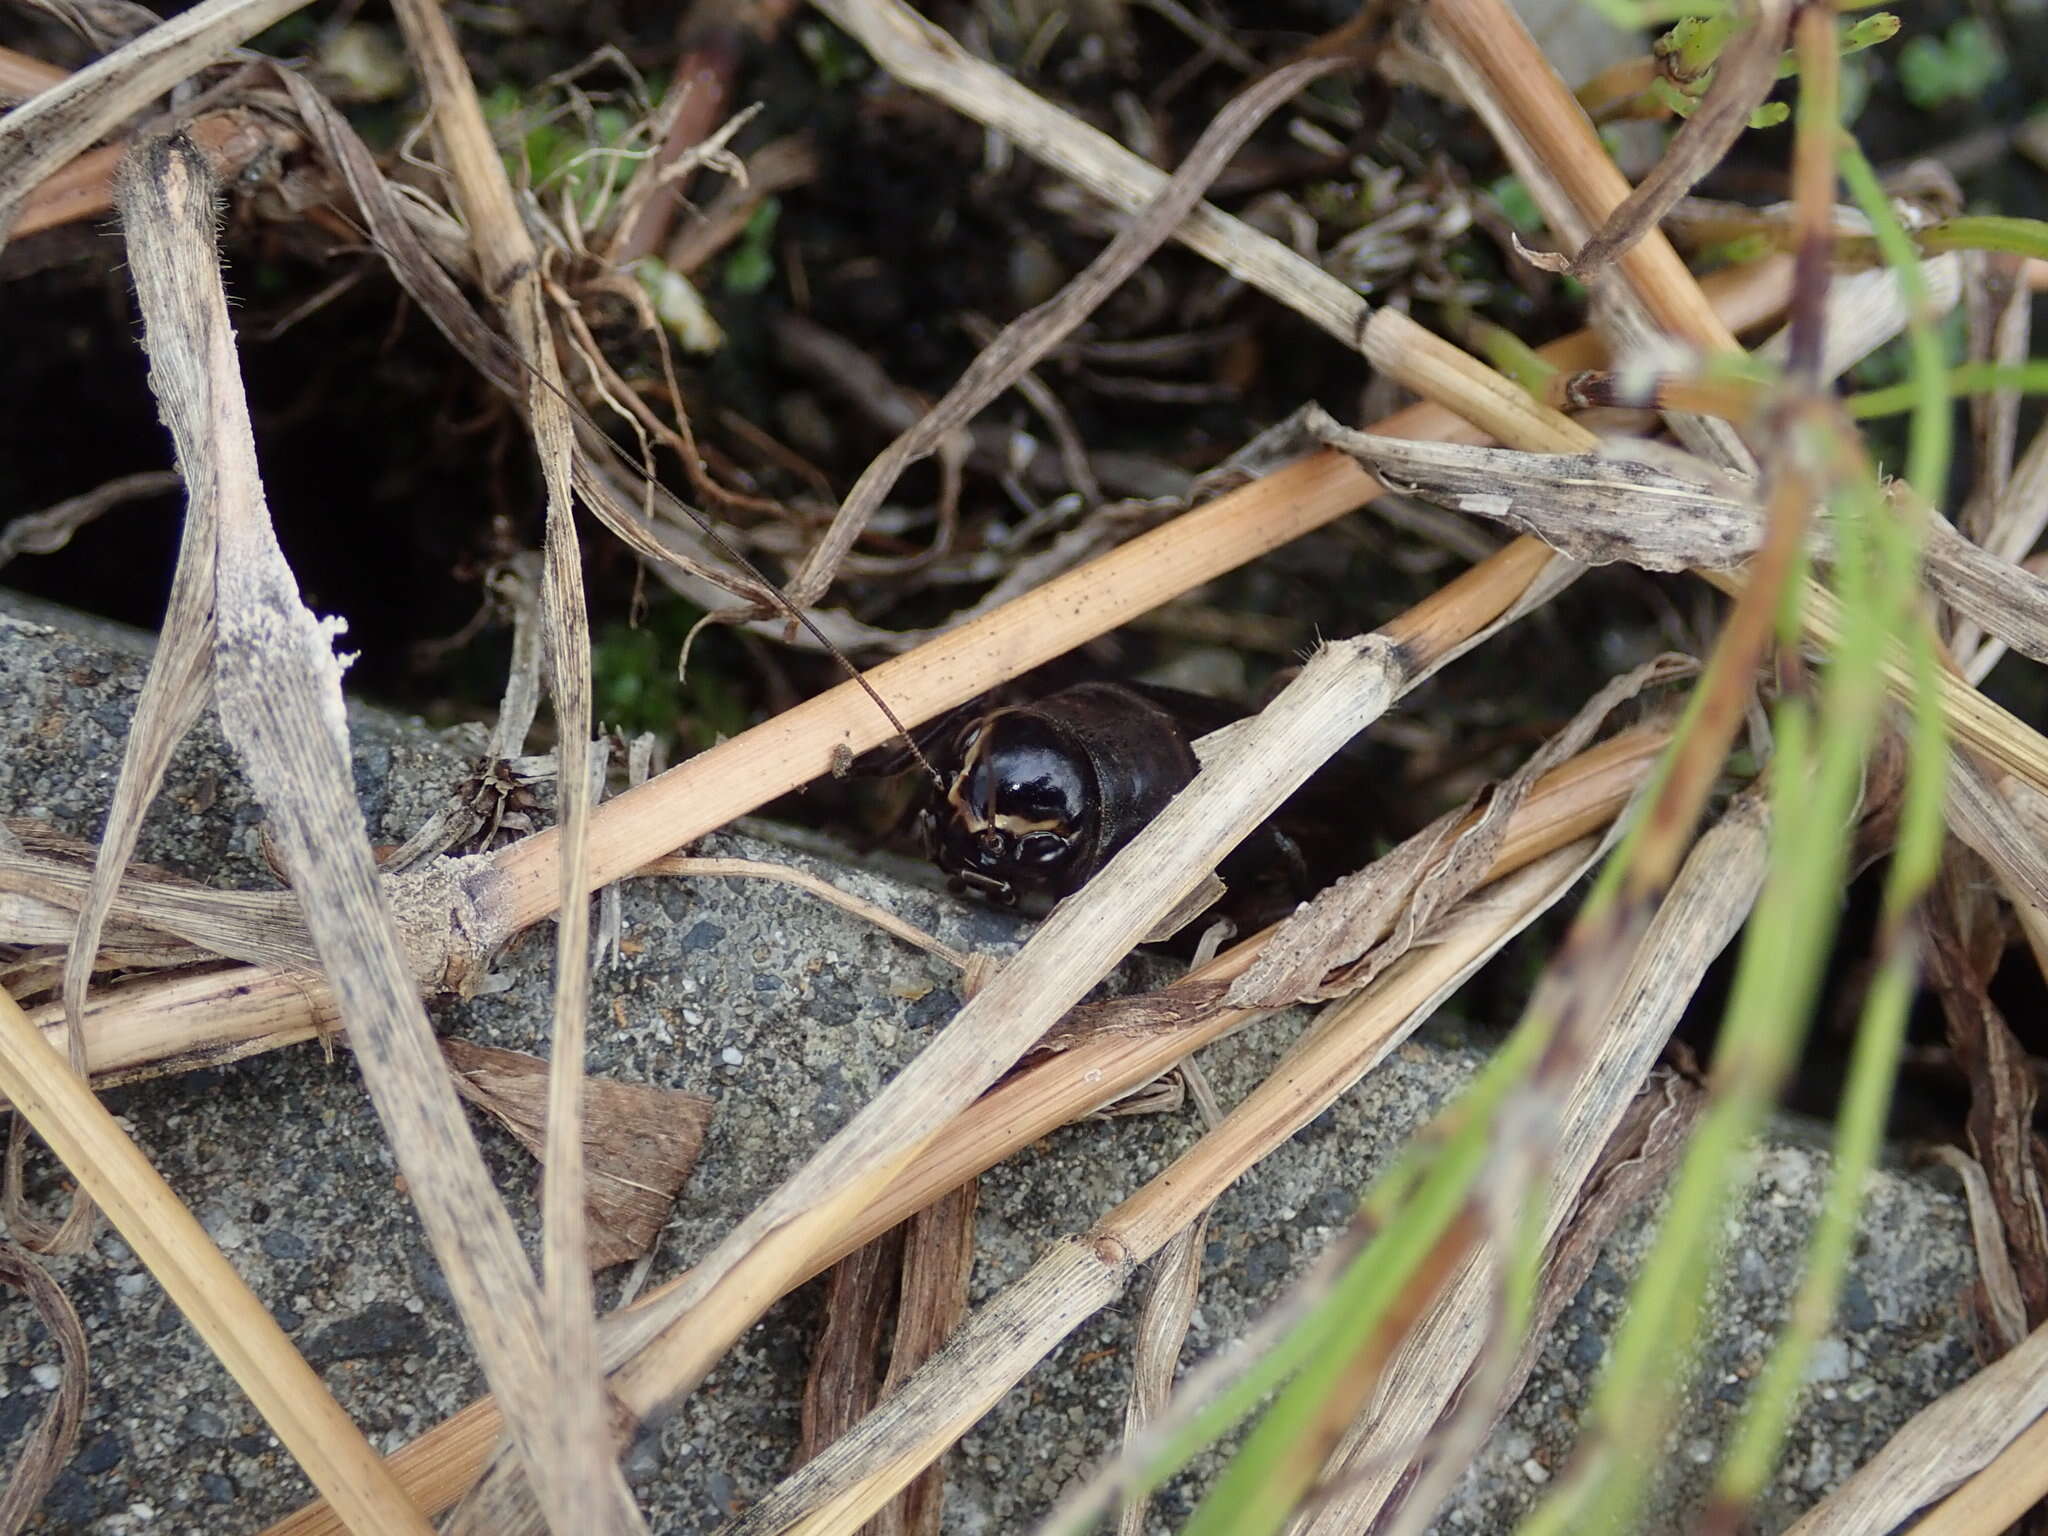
<point>1493,41</point>
<point>277,687</point>
<point>178,1022</point>
<point>1999,1494</point>
<point>925,58</point>
<point>588,1492</point>
<point>824,890</point>
<point>218,1303</point>
<point>1972,1436</point>
<point>1029,337</point>
<point>61,122</point>
<point>1080,1275</point>
<point>1706,906</point>
<point>1572,801</point>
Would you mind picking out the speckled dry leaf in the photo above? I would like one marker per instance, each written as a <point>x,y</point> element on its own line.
<point>639,1142</point>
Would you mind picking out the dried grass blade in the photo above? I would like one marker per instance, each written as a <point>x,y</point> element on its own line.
<point>262,927</point>
<point>1867,309</point>
<point>1705,907</point>
<point>1596,508</point>
<point>1078,1276</point>
<point>844,1380</point>
<point>224,1311</point>
<point>2000,316</point>
<point>174,692</point>
<point>1964,949</point>
<point>1349,933</point>
<point>1155,1353</point>
<point>1982,1427</point>
<point>279,691</point>
<point>582,1489</point>
<point>50,128</point>
<point>1985,818</point>
<point>1033,334</point>
<point>2004,1308</point>
<point>47,1448</point>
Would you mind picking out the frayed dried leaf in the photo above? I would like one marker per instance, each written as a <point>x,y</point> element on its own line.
<point>1960,961</point>
<point>46,1449</point>
<point>1673,514</point>
<point>151,907</point>
<point>640,1142</point>
<point>1357,927</point>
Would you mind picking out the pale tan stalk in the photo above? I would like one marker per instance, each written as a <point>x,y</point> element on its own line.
<point>1995,1499</point>
<point>1524,87</point>
<point>1010,1334</point>
<point>588,1492</point>
<point>236,1326</point>
<point>251,1009</point>
<point>1572,801</point>
<point>64,120</point>
<point>1973,1436</point>
<point>276,686</point>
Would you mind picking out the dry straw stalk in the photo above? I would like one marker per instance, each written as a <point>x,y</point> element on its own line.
<point>218,1302</point>
<point>1573,800</point>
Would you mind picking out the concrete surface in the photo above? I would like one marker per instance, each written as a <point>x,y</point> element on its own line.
<point>790,1015</point>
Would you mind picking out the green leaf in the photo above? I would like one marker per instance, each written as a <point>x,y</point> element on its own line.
<point>751,267</point>
<point>1935,72</point>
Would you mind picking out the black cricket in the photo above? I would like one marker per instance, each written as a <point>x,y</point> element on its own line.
<point>1035,797</point>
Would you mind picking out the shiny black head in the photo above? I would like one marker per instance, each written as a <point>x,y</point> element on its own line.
<point>1019,808</point>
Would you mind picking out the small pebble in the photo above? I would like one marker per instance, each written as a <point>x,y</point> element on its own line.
<point>1535,1471</point>
<point>731,1056</point>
